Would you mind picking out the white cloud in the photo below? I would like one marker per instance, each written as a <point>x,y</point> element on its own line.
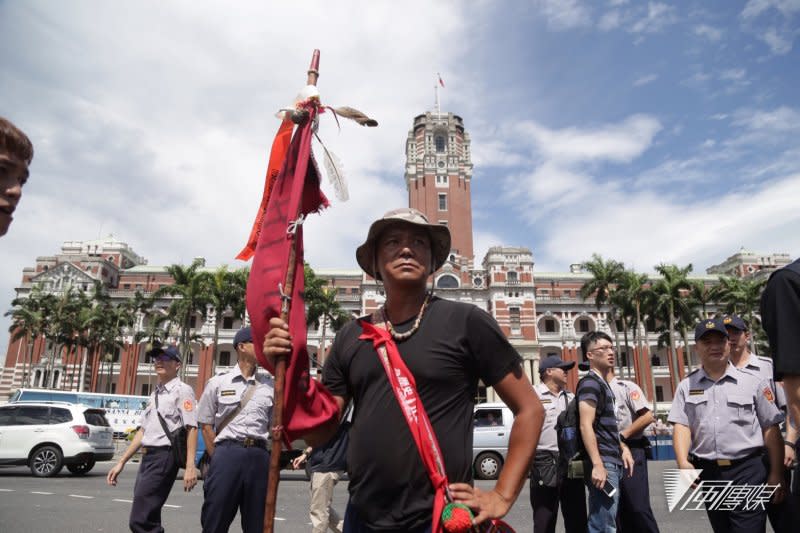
<point>708,32</point>
<point>657,18</point>
<point>610,20</point>
<point>781,31</point>
<point>755,8</point>
<point>777,121</point>
<point>779,42</point>
<point>645,80</point>
<point>565,14</point>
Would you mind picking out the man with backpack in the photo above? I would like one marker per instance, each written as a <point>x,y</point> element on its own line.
<point>607,454</point>
<point>549,483</point>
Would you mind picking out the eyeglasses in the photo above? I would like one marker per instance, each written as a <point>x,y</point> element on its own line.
<point>602,349</point>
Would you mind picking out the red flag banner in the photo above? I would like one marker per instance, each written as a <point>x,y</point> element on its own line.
<point>276,157</point>
<point>307,404</point>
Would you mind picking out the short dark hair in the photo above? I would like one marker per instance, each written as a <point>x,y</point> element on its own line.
<point>592,337</point>
<point>15,142</point>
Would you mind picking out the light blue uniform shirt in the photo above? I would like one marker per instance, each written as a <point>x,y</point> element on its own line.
<point>762,367</point>
<point>176,403</point>
<point>223,394</point>
<point>553,406</point>
<point>725,417</point>
<point>630,400</point>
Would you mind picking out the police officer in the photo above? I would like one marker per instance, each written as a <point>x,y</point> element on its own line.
<point>723,419</point>
<point>157,471</point>
<point>235,412</point>
<point>548,485</point>
<point>780,515</point>
<point>633,416</point>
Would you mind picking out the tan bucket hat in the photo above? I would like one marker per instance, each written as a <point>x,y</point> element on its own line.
<point>440,238</point>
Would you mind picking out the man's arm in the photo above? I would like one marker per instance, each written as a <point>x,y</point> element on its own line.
<point>586,413</point>
<point>789,451</point>
<point>645,419</point>
<point>190,472</point>
<point>773,442</point>
<point>791,385</point>
<point>209,435</point>
<point>681,443</point>
<point>516,391</point>
<point>132,448</point>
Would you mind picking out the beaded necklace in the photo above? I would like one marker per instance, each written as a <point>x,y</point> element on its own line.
<point>403,336</point>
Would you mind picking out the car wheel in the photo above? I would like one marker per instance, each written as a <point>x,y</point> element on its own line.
<point>488,465</point>
<point>46,461</point>
<point>81,469</point>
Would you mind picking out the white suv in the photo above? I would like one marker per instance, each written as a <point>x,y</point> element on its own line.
<point>49,435</point>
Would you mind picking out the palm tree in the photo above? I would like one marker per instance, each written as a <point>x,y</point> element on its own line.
<point>669,302</point>
<point>742,296</point>
<point>605,275</point>
<point>626,297</point>
<point>28,319</point>
<point>189,291</point>
<point>224,291</point>
<point>322,307</point>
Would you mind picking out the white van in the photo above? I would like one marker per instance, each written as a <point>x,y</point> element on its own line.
<point>491,428</point>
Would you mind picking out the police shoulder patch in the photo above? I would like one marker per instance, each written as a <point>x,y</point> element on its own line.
<point>634,395</point>
<point>188,405</point>
<point>768,394</point>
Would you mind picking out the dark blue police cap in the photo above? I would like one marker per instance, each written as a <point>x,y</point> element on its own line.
<point>170,351</point>
<point>554,361</point>
<point>735,322</point>
<point>707,326</point>
<point>243,335</point>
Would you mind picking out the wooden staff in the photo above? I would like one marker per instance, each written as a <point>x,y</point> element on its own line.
<point>280,362</point>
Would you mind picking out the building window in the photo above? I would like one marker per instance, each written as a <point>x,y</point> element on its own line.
<point>193,322</point>
<point>227,322</point>
<point>441,143</point>
<point>442,201</point>
<point>513,279</point>
<point>659,393</point>
<point>225,358</point>
<point>447,282</point>
<point>126,285</point>
<point>583,325</point>
<point>549,325</point>
<point>513,313</point>
<point>145,389</point>
<point>354,290</point>
<point>443,223</point>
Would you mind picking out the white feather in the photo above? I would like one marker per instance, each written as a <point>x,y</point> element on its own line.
<point>335,171</point>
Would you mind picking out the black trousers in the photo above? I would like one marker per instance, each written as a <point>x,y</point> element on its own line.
<point>634,511</point>
<point>237,480</point>
<point>153,483</point>
<point>752,471</point>
<point>571,494</point>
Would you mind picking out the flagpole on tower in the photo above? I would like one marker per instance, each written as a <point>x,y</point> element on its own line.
<point>436,85</point>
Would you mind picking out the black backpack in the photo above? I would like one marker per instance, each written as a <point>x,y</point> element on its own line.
<point>570,443</point>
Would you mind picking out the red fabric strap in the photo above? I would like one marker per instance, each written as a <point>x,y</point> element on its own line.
<point>405,390</point>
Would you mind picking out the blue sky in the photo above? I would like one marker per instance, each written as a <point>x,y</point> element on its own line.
<point>644,131</point>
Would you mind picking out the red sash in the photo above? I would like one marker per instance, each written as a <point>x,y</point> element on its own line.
<point>405,390</point>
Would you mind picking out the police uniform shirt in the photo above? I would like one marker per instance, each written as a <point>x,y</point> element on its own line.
<point>630,400</point>
<point>762,367</point>
<point>176,403</point>
<point>222,396</point>
<point>554,404</point>
<point>725,417</point>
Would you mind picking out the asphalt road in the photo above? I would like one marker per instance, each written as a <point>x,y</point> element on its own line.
<point>67,504</point>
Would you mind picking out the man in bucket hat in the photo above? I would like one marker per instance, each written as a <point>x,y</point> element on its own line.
<point>448,347</point>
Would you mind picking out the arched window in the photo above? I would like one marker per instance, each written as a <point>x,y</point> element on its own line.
<point>441,143</point>
<point>447,281</point>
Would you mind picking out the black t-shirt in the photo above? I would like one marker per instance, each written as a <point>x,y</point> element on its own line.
<point>780,314</point>
<point>606,431</point>
<point>456,345</point>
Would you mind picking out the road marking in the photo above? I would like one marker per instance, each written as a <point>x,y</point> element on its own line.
<point>282,519</point>
<point>45,493</point>
<point>123,501</point>
<point>81,496</point>
<point>172,506</point>
<point>6,490</point>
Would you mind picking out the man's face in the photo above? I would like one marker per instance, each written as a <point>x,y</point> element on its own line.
<point>13,175</point>
<point>166,367</point>
<point>558,375</point>
<point>737,339</point>
<point>404,254</point>
<point>246,351</point>
<point>713,348</point>
<point>601,355</point>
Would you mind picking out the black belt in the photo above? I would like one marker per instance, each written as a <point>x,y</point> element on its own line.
<point>698,462</point>
<point>153,449</point>
<point>247,442</point>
